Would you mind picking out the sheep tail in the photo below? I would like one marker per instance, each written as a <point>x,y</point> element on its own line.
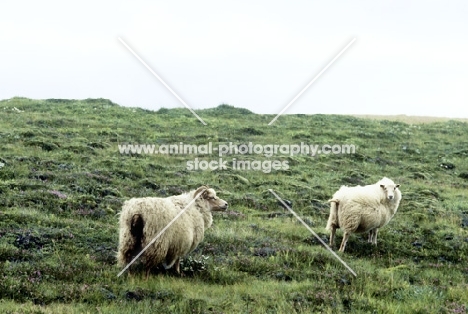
<point>333,218</point>
<point>136,229</point>
<point>132,239</point>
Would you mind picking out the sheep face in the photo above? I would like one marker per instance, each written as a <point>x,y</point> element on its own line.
<point>389,190</point>
<point>216,204</point>
<point>209,195</point>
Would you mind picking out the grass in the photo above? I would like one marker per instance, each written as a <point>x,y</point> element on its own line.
<point>63,181</point>
<point>411,119</point>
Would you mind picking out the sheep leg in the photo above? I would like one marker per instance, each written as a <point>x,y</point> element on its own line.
<point>177,266</point>
<point>371,236</point>
<point>332,236</point>
<point>343,242</point>
<point>332,223</point>
<point>375,236</point>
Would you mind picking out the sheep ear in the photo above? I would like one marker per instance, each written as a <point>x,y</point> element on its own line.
<point>397,186</point>
<point>200,189</point>
<point>382,186</point>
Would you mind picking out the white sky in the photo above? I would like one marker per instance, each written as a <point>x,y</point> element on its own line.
<point>409,57</point>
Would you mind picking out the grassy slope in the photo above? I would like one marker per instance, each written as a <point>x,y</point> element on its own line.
<point>410,119</point>
<point>63,180</point>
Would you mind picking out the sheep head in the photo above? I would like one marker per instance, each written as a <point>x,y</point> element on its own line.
<point>209,195</point>
<point>389,190</point>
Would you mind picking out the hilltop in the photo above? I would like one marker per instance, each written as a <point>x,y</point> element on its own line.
<point>411,119</point>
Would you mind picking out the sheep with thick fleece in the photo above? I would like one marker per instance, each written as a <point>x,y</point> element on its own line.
<point>361,209</point>
<point>141,219</point>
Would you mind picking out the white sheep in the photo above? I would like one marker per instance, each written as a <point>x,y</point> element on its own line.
<point>141,219</point>
<point>361,209</point>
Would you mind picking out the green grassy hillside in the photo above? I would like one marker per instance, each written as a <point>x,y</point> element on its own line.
<point>63,181</point>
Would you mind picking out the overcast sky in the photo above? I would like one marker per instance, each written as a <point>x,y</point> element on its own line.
<point>409,57</point>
